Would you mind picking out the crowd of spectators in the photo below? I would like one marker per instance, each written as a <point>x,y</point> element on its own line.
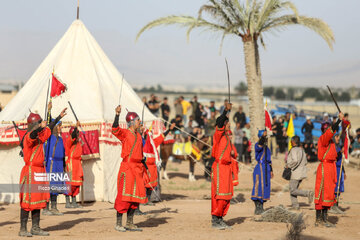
<point>198,118</point>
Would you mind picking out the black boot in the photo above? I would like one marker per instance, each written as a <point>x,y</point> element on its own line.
<point>326,223</point>
<point>223,224</point>
<point>138,212</point>
<point>46,210</point>
<point>74,203</point>
<point>119,227</point>
<point>130,221</point>
<point>215,223</point>
<point>54,209</point>
<point>68,204</point>
<point>35,229</point>
<point>258,207</point>
<point>261,206</point>
<point>319,219</point>
<point>24,216</point>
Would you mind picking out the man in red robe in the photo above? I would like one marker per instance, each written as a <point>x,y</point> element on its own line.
<point>32,198</point>
<point>153,159</point>
<point>73,152</point>
<point>221,182</point>
<point>326,173</point>
<point>130,184</point>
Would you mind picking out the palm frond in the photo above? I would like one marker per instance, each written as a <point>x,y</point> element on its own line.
<point>182,21</point>
<point>315,24</point>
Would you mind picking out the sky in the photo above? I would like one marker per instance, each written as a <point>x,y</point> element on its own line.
<point>29,29</point>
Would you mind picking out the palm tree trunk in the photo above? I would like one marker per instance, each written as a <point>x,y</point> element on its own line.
<point>253,76</point>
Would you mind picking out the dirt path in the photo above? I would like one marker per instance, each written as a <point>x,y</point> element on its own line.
<point>187,213</point>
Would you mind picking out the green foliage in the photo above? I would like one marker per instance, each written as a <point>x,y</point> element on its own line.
<point>290,95</point>
<point>248,19</point>
<point>345,97</point>
<point>280,94</point>
<point>269,91</point>
<point>241,88</point>
<point>312,93</point>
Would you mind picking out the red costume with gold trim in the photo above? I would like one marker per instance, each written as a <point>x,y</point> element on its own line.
<point>73,152</point>
<point>34,163</point>
<point>235,167</point>
<point>130,183</point>
<point>221,182</point>
<point>326,172</point>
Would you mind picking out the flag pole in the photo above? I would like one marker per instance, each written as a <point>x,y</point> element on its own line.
<point>78,10</point>
<point>122,81</point>
<point>46,101</point>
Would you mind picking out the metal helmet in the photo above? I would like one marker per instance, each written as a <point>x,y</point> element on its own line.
<point>131,116</point>
<point>324,126</point>
<point>33,118</point>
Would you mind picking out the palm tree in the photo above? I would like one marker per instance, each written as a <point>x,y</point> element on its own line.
<point>249,20</point>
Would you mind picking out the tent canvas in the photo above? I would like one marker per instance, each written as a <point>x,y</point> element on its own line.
<point>94,86</point>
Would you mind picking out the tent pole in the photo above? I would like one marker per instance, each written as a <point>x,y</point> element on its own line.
<point>77,15</point>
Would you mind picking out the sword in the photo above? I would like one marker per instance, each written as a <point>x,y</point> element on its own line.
<point>122,81</point>
<point>333,98</point>
<point>228,76</point>
<point>142,115</point>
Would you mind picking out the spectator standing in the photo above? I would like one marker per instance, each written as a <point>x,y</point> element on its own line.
<point>195,106</point>
<point>210,126</point>
<point>222,108</point>
<point>238,140</point>
<point>306,129</point>
<point>178,108</point>
<point>273,146</point>
<point>212,106</point>
<point>240,117</point>
<point>246,130</point>
<point>185,107</point>
<point>154,105</point>
<point>165,110</point>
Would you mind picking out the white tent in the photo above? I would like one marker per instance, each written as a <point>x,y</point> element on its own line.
<point>94,86</point>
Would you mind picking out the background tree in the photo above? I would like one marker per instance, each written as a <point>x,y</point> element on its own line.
<point>345,97</point>
<point>241,88</point>
<point>280,94</point>
<point>248,20</point>
<point>269,91</point>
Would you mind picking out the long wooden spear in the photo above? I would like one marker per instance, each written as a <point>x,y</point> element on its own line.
<point>228,77</point>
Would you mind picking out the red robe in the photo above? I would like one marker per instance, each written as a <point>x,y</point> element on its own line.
<point>326,172</point>
<point>150,154</point>
<point>235,167</point>
<point>73,152</point>
<point>34,164</point>
<point>130,183</point>
<point>221,181</point>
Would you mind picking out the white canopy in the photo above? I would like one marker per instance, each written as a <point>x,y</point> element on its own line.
<point>92,80</point>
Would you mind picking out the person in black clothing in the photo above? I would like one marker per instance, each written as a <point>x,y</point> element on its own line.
<point>246,153</point>
<point>165,110</point>
<point>311,152</point>
<point>153,105</point>
<point>307,130</point>
<point>240,117</point>
<point>178,122</point>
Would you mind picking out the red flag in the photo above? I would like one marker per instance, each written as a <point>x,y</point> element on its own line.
<point>346,145</point>
<point>268,120</point>
<point>57,87</point>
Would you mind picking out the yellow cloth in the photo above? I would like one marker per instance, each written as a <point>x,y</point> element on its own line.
<point>185,106</point>
<point>290,132</point>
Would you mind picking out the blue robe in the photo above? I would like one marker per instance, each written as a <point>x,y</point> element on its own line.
<point>338,166</point>
<point>54,159</point>
<point>261,190</point>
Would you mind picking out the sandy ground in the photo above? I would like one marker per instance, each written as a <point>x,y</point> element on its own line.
<point>185,212</point>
